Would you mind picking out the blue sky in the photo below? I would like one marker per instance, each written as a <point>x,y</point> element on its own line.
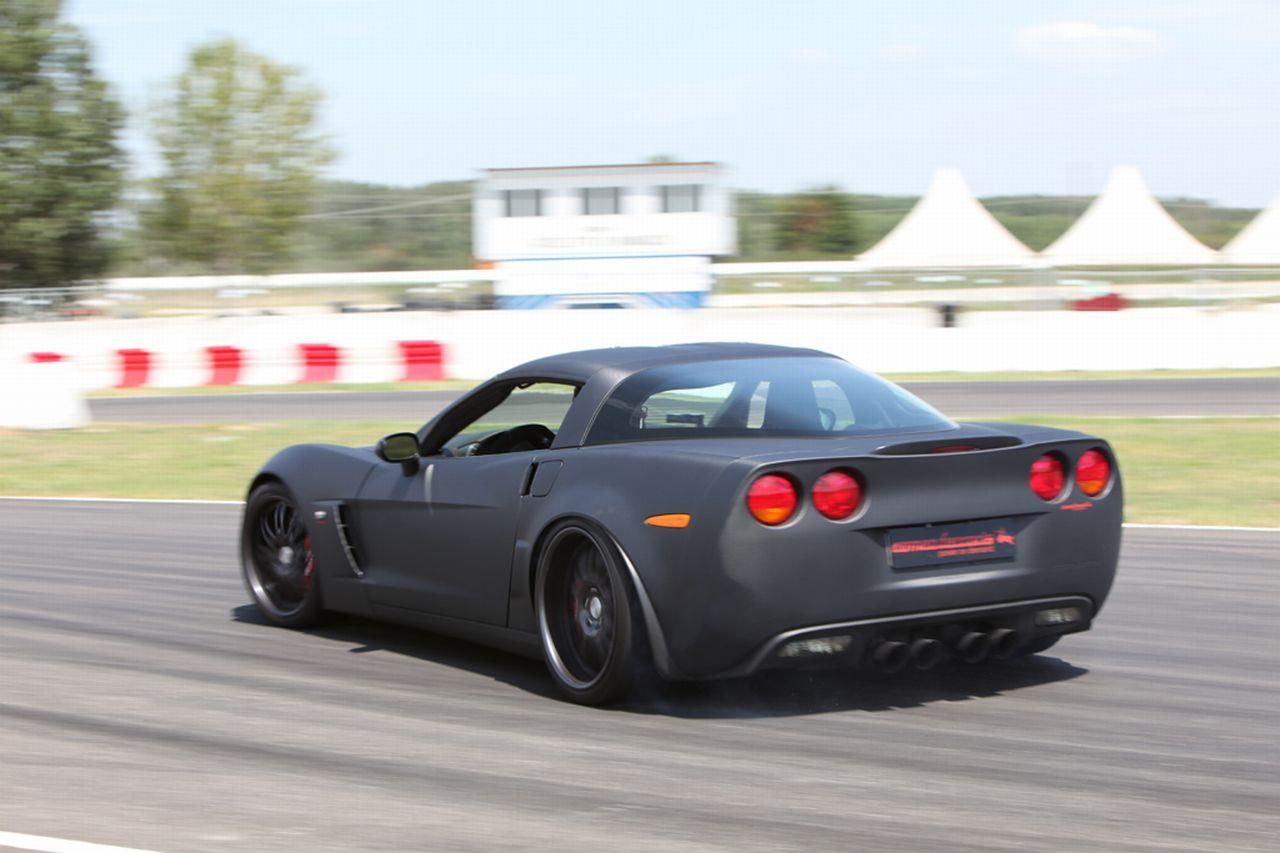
<point>869,94</point>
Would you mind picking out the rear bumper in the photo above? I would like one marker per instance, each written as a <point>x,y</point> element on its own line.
<point>730,601</point>
<point>946,626</point>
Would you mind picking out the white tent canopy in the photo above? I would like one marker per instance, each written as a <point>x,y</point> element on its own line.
<point>1259,241</point>
<point>1126,226</point>
<point>948,227</point>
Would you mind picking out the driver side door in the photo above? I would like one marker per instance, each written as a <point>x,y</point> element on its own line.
<point>440,541</point>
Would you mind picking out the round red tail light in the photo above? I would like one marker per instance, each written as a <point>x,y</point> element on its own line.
<point>1093,472</point>
<point>837,495</point>
<point>772,499</point>
<point>1047,476</point>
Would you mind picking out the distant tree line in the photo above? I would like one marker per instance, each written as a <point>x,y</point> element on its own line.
<point>240,186</point>
<point>361,227</point>
<point>236,135</point>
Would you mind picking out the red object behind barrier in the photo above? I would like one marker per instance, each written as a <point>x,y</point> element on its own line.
<point>423,361</point>
<point>135,367</point>
<point>224,365</point>
<point>319,362</point>
<point>45,357</point>
<point>1106,302</point>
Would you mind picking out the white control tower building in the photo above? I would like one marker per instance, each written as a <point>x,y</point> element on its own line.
<point>640,235</point>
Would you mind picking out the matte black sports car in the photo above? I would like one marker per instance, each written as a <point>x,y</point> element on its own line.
<point>696,511</point>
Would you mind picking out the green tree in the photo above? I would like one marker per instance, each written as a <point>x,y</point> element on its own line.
<point>820,220</point>
<point>241,156</point>
<point>61,168</point>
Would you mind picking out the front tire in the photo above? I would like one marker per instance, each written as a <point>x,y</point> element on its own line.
<point>276,559</point>
<point>591,631</point>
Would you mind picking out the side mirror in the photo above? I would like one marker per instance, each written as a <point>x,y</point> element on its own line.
<point>400,447</point>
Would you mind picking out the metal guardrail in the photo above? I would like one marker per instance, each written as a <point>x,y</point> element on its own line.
<point>737,284</point>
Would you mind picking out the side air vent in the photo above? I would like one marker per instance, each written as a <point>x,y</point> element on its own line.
<point>960,445</point>
<point>344,536</point>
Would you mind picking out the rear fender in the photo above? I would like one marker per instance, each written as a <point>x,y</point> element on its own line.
<point>590,488</point>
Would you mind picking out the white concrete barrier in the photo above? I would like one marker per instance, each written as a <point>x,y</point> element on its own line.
<point>369,347</point>
<point>41,393</point>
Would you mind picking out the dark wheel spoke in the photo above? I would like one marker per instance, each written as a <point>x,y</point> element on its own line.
<point>294,534</point>
<point>579,610</point>
<point>278,555</point>
<point>289,586</point>
<point>266,536</point>
<point>262,553</point>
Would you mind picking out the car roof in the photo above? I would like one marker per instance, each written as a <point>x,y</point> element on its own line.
<point>622,361</point>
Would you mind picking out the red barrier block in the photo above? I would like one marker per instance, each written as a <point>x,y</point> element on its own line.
<point>423,361</point>
<point>319,362</point>
<point>45,357</point>
<point>135,367</point>
<point>224,365</point>
<point>1106,302</point>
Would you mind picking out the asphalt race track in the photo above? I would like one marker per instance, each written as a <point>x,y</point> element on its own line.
<point>961,399</point>
<point>142,704</point>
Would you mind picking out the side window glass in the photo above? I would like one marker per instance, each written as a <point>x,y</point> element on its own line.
<point>833,405</point>
<point>543,404</point>
<point>522,202</point>
<point>601,201</point>
<point>684,408</point>
<point>681,198</point>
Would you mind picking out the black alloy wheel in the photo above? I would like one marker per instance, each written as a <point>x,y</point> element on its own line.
<point>589,627</point>
<point>277,559</point>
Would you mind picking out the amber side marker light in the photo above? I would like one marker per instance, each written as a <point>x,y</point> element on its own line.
<point>1093,472</point>
<point>671,519</point>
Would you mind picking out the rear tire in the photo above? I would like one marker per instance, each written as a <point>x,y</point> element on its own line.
<point>592,634</point>
<point>276,558</point>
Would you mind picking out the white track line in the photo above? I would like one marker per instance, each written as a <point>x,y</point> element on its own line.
<point>18,841</point>
<point>238,395</point>
<point>1222,527</point>
<point>120,500</point>
<point>1136,526</point>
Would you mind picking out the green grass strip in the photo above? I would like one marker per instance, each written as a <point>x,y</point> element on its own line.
<point>1178,471</point>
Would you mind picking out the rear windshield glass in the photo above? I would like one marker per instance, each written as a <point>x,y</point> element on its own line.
<point>758,397</point>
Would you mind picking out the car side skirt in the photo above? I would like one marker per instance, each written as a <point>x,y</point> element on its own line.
<point>496,636</point>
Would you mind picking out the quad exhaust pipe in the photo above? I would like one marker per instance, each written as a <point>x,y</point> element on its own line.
<point>1004,642</point>
<point>891,656</point>
<point>926,653</point>
<point>973,647</point>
